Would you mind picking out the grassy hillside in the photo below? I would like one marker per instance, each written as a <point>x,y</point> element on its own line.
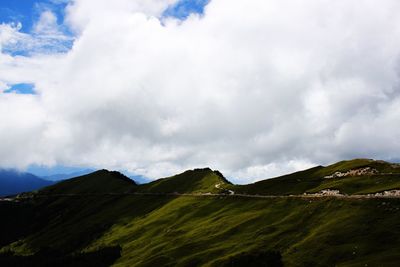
<point>165,230</point>
<point>191,181</point>
<point>387,177</point>
<point>188,231</point>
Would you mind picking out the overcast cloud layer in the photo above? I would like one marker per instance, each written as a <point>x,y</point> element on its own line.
<point>253,88</point>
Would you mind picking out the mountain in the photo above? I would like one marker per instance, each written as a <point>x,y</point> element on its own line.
<point>358,176</point>
<point>14,182</point>
<point>191,181</point>
<point>104,219</point>
<point>64,176</point>
<point>98,182</point>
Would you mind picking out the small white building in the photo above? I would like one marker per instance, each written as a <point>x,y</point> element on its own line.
<point>330,192</point>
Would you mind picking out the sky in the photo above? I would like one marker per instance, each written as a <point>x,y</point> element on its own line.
<point>254,88</point>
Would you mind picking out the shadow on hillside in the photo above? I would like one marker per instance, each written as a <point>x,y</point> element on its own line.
<point>254,259</point>
<point>69,223</point>
<point>49,257</point>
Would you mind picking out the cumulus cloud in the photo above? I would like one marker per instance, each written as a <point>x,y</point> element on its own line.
<point>252,88</point>
<point>47,36</point>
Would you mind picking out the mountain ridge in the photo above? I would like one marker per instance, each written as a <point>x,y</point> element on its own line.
<point>64,176</point>
<point>381,177</point>
<point>315,179</point>
<point>149,225</point>
<point>101,181</point>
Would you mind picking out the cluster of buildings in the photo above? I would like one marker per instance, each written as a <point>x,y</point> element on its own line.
<point>389,193</point>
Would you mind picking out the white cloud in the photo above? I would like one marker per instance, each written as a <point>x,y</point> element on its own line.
<point>10,35</point>
<point>47,24</point>
<point>253,88</point>
<point>3,86</point>
<point>257,172</point>
<point>47,36</point>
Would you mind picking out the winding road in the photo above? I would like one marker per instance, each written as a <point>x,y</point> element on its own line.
<point>231,195</point>
<point>383,195</point>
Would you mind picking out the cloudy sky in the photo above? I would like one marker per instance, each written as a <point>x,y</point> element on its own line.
<point>254,88</point>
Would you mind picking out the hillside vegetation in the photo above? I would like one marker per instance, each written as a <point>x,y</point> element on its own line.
<point>191,181</point>
<point>136,229</point>
<point>380,176</point>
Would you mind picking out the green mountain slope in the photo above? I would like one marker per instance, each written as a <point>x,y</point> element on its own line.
<point>379,176</point>
<point>139,229</point>
<point>191,181</point>
<point>189,232</point>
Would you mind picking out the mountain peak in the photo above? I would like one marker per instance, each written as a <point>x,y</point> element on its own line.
<point>355,176</point>
<point>379,166</point>
<point>190,181</point>
<point>113,174</point>
<point>101,181</point>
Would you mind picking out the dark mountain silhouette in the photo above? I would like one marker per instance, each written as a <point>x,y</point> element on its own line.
<point>98,182</point>
<point>64,176</point>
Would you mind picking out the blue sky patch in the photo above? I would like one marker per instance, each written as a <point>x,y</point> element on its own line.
<point>183,8</point>
<point>21,88</point>
<point>18,11</point>
<point>42,45</point>
<point>27,13</point>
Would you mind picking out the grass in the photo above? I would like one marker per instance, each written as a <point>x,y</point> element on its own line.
<point>215,230</point>
<point>312,180</point>
<point>209,231</point>
<point>192,181</point>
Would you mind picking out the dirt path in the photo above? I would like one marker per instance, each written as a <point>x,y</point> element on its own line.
<point>218,186</point>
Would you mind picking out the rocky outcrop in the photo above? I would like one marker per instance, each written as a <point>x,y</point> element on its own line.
<point>388,193</point>
<point>353,172</point>
<point>325,192</point>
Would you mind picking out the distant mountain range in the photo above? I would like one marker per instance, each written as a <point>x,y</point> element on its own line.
<point>345,214</point>
<point>139,179</point>
<point>14,182</point>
